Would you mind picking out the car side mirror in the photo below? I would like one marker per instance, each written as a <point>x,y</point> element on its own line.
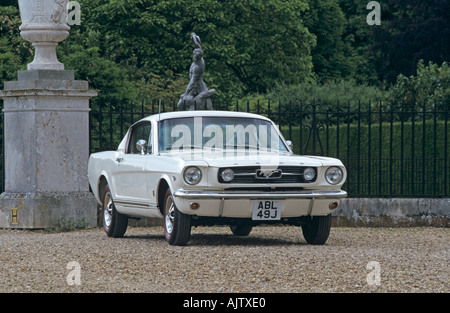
<point>141,145</point>
<point>290,145</point>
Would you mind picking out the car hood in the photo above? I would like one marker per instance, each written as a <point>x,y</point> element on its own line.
<point>260,158</point>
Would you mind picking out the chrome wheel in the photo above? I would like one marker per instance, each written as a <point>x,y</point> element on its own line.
<point>177,226</point>
<point>170,215</point>
<point>108,210</point>
<point>114,223</point>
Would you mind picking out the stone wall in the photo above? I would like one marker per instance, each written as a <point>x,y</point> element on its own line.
<point>392,212</point>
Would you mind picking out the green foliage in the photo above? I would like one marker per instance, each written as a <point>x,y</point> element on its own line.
<point>111,79</point>
<point>410,30</point>
<point>9,62</point>
<point>430,88</point>
<point>14,51</point>
<point>249,45</point>
<point>167,87</point>
<point>357,34</point>
<point>330,56</point>
<point>328,94</point>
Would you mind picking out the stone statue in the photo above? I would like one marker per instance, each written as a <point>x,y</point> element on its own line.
<point>59,15</point>
<point>197,95</point>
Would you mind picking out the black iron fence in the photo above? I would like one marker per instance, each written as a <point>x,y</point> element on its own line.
<point>389,150</point>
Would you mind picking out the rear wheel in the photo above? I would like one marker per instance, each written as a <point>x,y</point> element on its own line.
<point>317,230</point>
<point>114,223</point>
<point>241,230</point>
<point>177,226</point>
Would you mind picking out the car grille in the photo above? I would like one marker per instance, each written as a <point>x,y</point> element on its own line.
<point>257,175</point>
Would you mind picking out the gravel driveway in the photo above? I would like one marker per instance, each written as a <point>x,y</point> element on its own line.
<point>271,259</point>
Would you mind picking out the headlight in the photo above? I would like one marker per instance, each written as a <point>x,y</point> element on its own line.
<point>309,174</point>
<point>334,175</point>
<point>192,175</point>
<point>227,175</point>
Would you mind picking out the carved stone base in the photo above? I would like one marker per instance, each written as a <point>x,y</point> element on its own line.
<point>40,210</point>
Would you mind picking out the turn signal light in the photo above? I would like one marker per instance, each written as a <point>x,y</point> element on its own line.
<point>195,206</point>
<point>333,205</point>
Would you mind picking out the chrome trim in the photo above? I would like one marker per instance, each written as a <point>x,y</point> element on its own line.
<point>311,204</point>
<point>222,200</point>
<point>219,195</point>
<point>136,204</point>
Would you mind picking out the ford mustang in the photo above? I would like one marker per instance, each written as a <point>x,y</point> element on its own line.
<point>196,168</point>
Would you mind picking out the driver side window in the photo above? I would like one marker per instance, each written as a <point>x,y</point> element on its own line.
<point>140,132</point>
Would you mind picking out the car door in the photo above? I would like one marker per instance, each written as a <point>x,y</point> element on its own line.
<point>130,179</point>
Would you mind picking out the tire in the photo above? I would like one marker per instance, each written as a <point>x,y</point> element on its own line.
<point>241,230</point>
<point>177,226</point>
<point>114,223</point>
<point>317,230</point>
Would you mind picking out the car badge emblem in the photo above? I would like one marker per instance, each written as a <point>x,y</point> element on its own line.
<point>268,174</point>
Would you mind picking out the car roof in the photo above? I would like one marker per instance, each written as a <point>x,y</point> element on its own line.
<point>209,113</point>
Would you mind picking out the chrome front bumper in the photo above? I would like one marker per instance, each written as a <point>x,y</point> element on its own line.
<point>202,195</point>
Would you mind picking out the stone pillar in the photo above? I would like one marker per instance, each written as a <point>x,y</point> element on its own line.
<point>46,131</point>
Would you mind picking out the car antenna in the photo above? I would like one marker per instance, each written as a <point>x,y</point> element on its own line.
<point>159,124</point>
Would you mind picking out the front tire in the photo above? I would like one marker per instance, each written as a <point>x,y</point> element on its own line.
<point>317,230</point>
<point>177,226</point>
<point>114,223</point>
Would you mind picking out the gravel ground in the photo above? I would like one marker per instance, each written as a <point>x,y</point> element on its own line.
<point>271,259</point>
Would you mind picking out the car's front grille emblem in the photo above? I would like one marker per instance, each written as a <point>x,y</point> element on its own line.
<point>269,174</point>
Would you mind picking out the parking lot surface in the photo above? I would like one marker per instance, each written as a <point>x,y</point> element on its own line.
<point>273,259</point>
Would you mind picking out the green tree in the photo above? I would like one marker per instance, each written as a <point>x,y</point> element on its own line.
<point>429,87</point>
<point>249,45</point>
<point>357,34</point>
<point>15,52</point>
<point>84,56</point>
<point>410,30</point>
<point>330,56</point>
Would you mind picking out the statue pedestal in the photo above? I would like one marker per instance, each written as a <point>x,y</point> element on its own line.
<point>46,137</point>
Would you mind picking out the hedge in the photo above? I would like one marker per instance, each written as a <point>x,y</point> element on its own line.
<point>408,159</point>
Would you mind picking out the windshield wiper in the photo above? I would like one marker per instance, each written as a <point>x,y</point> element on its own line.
<point>242,146</point>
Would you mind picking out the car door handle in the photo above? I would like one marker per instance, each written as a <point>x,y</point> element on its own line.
<point>118,160</point>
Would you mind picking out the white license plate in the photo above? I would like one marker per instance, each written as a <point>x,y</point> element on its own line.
<point>266,210</point>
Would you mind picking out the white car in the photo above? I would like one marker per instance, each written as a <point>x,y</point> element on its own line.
<point>196,168</point>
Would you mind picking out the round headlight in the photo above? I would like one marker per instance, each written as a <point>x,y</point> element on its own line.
<point>334,175</point>
<point>309,174</point>
<point>192,175</point>
<point>227,175</point>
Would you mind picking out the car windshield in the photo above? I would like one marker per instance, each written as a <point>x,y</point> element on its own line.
<point>219,133</point>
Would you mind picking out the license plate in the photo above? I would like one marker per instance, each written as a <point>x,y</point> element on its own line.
<point>266,210</point>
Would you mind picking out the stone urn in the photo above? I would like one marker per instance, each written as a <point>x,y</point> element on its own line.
<point>44,23</point>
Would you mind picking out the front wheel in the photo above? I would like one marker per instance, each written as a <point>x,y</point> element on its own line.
<point>317,230</point>
<point>177,226</point>
<point>114,223</point>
